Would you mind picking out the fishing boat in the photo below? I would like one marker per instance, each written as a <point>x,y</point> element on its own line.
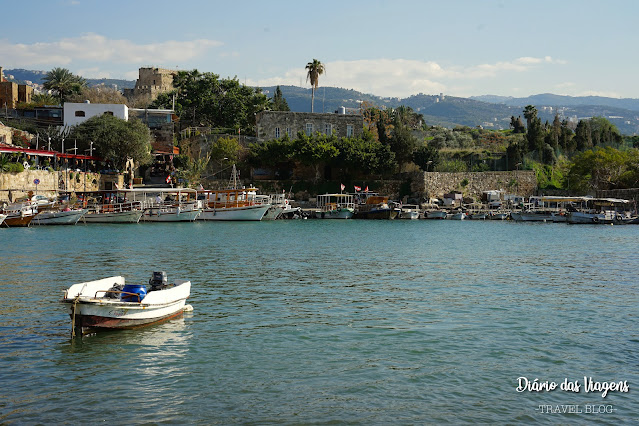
<point>408,211</point>
<point>166,204</point>
<point>234,203</point>
<point>335,206</point>
<point>435,214</point>
<point>64,216</point>
<point>125,212</point>
<point>19,214</point>
<point>498,215</point>
<point>457,215</point>
<point>110,303</point>
<point>280,206</point>
<point>374,206</point>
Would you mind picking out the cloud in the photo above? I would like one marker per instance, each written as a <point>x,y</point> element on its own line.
<point>401,77</point>
<point>95,48</point>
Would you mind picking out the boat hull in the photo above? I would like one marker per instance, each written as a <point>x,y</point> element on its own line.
<point>59,218</point>
<point>436,215</point>
<point>255,213</point>
<point>132,216</point>
<point>123,317</point>
<point>341,213</point>
<point>531,217</point>
<point>173,215</point>
<point>377,214</point>
<point>18,221</point>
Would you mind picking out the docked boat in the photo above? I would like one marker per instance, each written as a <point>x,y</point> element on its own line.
<point>600,211</point>
<point>110,303</point>
<point>166,204</point>
<point>335,206</point>
<point>234,204</point>
<point>19,214</point>
<point>126,212</point>
<point>374,206</point>
<point>459,215</point>
<point>280,206</point>
<point>435,214</point>
<point>408,211</point>
<point>65,216</point>
<point>498,215</point>
<point>531,216</point>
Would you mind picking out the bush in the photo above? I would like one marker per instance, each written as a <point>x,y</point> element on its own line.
<point>14,168</point>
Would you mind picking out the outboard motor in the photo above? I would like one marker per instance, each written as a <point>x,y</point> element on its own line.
<point>158,281</point>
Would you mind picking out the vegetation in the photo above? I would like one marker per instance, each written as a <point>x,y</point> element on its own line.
<point>278,103</point>
<point>98,95</point>
<point>114,139</point>
<point>205,100</point>
<point>314,70</point>
<point>64,83</point>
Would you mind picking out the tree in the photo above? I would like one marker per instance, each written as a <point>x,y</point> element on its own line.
<point>315,69</point>
<point>278,103</point>
<point>402,143</point>
<point>604,168</point>
<point>63,82</point>
<point>426,157</point>
<point>114,139</point>
<point>535,131</point>
<point>98,95</point>
<point>315,150</point>
<point>205,100</point>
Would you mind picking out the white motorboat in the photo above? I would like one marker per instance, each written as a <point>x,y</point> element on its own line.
<point>435,214</point>
<point>110,303</point>
<point>457,216</point>
<point>498,216</point>
<point>531,216</point>
<point>408,211</point>
<point>59,217</point>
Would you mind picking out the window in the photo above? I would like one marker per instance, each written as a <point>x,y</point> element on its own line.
<point>108,112</point>
<point>349,130</point>
<point>80,114</point>
<point>309,129</point>
<point>277,133</point>
<point>289,132</point>
<point>328,129</point>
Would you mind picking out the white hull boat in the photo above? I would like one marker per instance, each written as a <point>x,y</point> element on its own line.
<point>254,212</point>
<point>170,213</point>
<point>60,217</point>
<point>131,216</point>
<point>531,217</point>
<point>435,214</point>
<point>337,213</point>
<point>110,303</point>
<point>410,212</point>
<point>457,216</point>
<point>335,206</point>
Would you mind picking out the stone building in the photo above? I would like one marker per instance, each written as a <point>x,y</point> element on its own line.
<point>12,93</point>
<point>276,124</point>
<point>152,82</point>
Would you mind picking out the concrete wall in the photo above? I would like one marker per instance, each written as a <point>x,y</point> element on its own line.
<point>91,110</point>
<point>267,123</point>
<point>435,184</point>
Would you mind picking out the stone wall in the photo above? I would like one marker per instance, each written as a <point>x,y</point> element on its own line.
<point>16,185</point>
<point>271,123</point>
<point>472,184</point>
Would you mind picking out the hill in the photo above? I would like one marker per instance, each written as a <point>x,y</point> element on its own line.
<point>488,111</point>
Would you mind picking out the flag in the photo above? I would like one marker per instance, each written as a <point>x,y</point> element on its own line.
<point>168,179</point>
<point>366,190</point>
<point>357,188</point>
<point>342,186</point>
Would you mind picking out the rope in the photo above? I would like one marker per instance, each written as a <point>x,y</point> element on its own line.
<point>75,302</point>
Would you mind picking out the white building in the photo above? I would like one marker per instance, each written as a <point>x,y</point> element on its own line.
<point>76,113</point>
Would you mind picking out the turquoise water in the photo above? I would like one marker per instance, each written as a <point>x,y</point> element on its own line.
<point>301,322</point>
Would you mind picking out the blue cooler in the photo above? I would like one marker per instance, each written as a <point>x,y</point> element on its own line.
<point>133,288</point>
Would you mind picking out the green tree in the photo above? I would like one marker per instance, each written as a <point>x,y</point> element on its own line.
<point>604,168</point>
<point>583,135</point>
<point>426,157</point>
<point>314,70</point>
<point>205,100</point>
<point>315,150</point>
<point>114,139</point>
<point>63,82</point>
<point>402,143</point>
<point>98,95</point>
<point>278,103</point>
<point>535,131</point>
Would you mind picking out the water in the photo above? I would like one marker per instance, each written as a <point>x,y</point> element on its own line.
<point>326,321</point>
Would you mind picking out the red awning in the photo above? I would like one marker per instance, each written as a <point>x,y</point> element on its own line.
<point>45,153</point>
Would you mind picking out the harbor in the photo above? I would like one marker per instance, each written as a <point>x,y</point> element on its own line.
<point>377,322</point>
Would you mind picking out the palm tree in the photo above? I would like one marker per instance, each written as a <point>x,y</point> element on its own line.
<point>315,69</point>
<point>62,81</point>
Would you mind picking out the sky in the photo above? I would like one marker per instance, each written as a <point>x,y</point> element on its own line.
<point>386,48</point>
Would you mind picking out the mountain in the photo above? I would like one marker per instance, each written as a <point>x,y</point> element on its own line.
<point>549,99</point>
<point>36,78</point>
<point>488,111</point>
